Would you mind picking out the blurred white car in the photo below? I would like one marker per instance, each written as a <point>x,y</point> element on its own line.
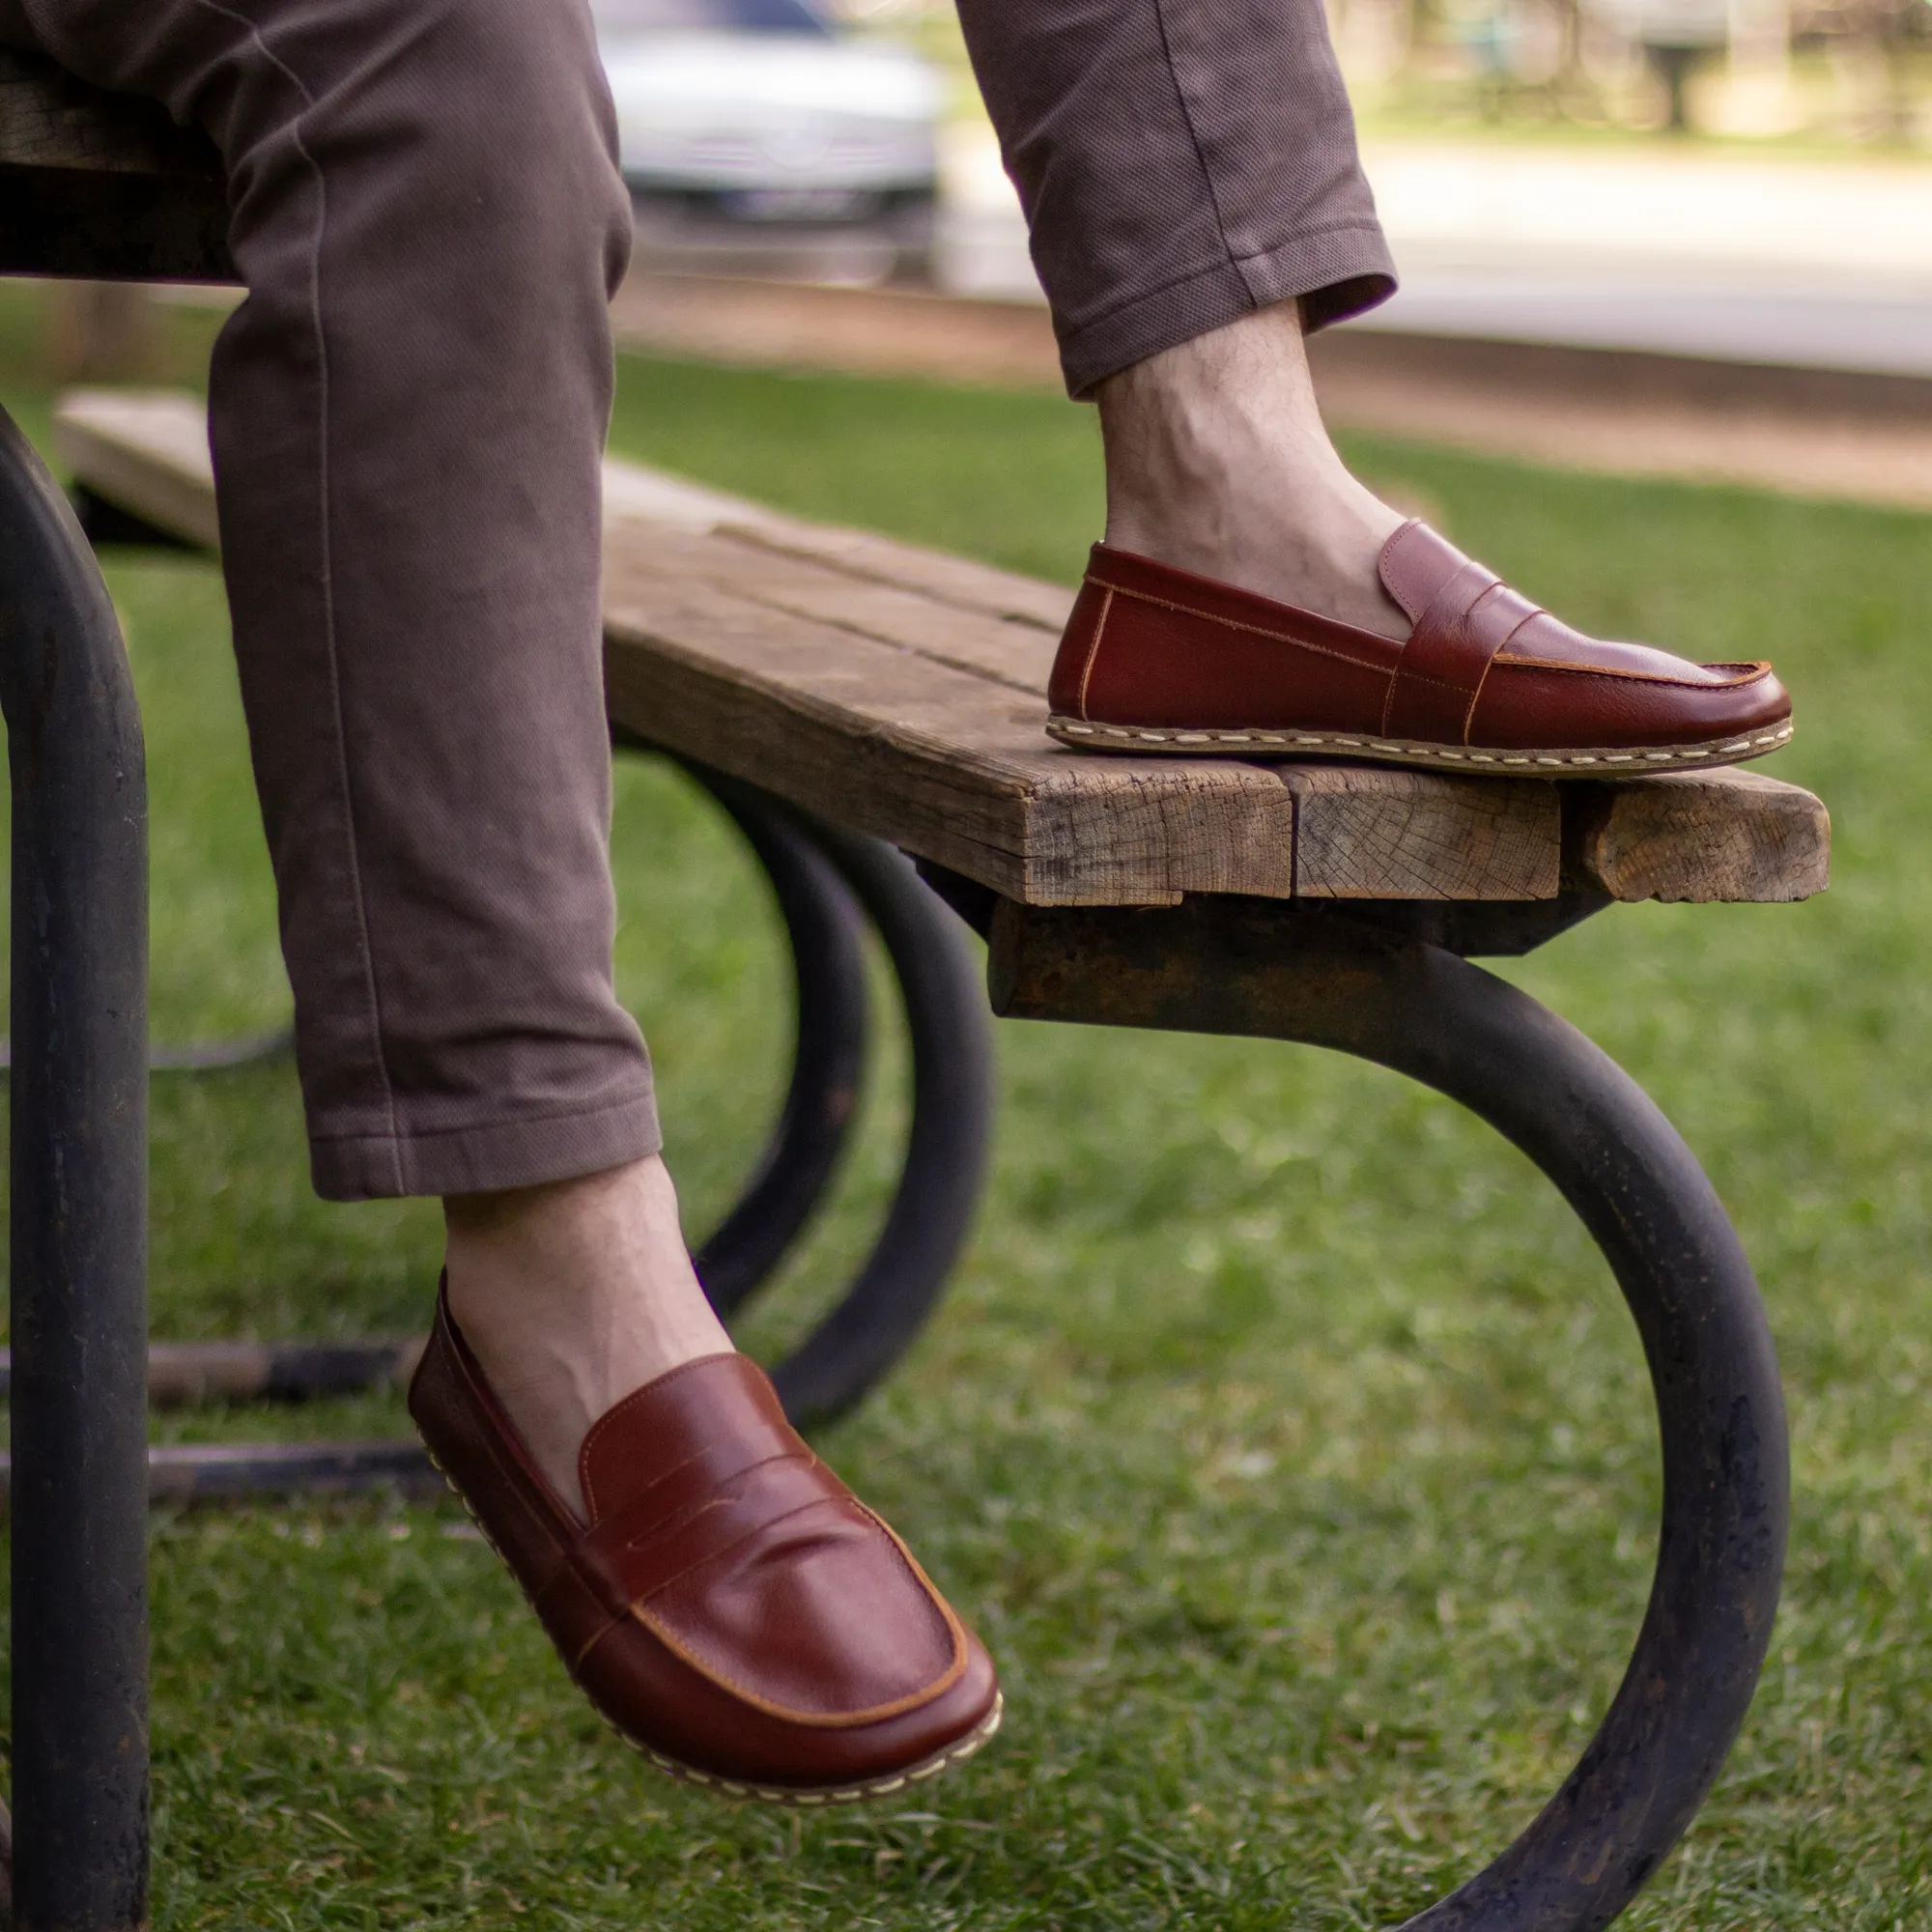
<point>749,121</point>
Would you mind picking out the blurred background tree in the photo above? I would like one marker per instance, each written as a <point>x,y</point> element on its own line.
<point>1841,72</point>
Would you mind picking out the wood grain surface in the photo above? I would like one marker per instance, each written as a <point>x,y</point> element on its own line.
<point>900,691</point>
<point>1672,838</point>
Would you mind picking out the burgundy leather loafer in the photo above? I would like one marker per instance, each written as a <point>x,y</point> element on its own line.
<point>1158,660</point>
<point>730,1608</point>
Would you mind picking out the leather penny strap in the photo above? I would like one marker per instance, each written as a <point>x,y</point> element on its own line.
<point>1431,698</point>
<point>640,1549</point>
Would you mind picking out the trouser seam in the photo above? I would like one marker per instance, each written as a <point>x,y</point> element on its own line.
<point>1193,133</point>
<point>334,656</point>
<point>1353,226</point>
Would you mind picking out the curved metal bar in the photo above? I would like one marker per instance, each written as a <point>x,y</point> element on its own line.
<point>938,1194</point>
<point>78,1099</point>
<point>931,1215</point>
<point>184,1374</point>
<point>238,1472</point>
<point>833,1019</point>
<point>1243,967</point>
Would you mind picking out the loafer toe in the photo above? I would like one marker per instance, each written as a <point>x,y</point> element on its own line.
<point>730,1607</point>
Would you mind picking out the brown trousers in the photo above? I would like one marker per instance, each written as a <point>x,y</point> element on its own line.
<point>408,412</point>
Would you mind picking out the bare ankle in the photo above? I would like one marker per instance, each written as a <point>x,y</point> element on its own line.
<point>1217,461</point>
<point>555,1211</point>
<point>572,1296</point>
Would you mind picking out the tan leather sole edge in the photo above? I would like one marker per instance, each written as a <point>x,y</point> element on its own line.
<point>1601,762</point>
<point>804,1795</point>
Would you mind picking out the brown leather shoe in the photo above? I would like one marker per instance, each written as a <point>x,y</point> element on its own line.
<point>731,1609</point>
<point>1158,660</point>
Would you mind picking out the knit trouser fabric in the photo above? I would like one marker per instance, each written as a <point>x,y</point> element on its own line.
<point>408,412</point>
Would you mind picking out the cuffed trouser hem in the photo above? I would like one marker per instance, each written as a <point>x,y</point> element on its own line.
<point>1336,273</point>
<point>480,1159</point>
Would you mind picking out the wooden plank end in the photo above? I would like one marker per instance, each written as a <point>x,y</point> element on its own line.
<point>1698,837</point>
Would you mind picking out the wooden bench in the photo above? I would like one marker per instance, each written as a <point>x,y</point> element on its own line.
<point>865,686</point>
<point>901,691</point>
<point>104,186</point>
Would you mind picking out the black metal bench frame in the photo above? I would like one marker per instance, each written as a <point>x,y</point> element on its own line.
<point>77,1266</point>
<point>1385,982</point>
<point>1338,979</point>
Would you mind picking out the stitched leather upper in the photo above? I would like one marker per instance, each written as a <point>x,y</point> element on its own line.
<point>715,1525</point>
<point>1465,621</point>
<point>1154,648</point>
<point>730,1604</point>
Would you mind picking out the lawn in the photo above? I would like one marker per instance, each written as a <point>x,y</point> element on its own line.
<point>1282,1433</point>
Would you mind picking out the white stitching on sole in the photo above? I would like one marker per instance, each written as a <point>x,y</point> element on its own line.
<point>1135,737</point>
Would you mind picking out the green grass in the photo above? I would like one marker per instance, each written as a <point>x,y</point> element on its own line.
<point>1282,1432</point>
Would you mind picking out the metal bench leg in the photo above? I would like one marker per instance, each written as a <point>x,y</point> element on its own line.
<point>818,871</point>
<point>825,930</point>
<point>926,1226</point>
<point>1246,967</point>
<point>78,1263</point>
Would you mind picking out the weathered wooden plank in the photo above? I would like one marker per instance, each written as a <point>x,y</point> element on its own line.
<point>632,493</point>
<point>1699,836</point>
<point>1368,832</point>
<point>947,764</point>
<point>900,691</point>
<point>949,580</point>
<point>104,186</point>
<point>1016,654</point>
<point>147,450</point>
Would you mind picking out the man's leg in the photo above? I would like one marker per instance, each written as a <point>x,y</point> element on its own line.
<point>408,415</point>
<point>1217,461</point>
<point>1182,164</point>
<point>1189,173</point>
